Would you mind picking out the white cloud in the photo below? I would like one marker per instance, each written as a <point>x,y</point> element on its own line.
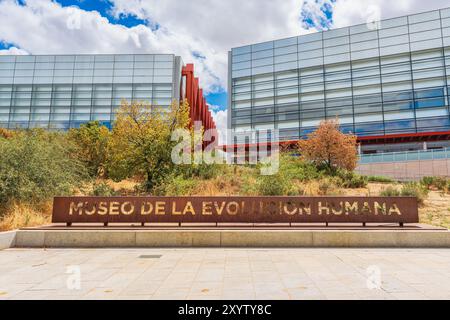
<point>13,51</point>
<point>220,118</point>
<point>350,12</point>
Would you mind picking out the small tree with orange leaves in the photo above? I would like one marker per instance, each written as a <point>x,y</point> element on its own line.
<point>5,133</point>
<point>330,148</point>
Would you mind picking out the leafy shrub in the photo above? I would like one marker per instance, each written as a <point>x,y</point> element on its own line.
<point>176,186</point>
<point>202,171</point>
<point>36,166</point>
<point>390,192</point>
<point>294,167</point>
<point>380,179</point>
<point>447,187</point>
<point>272,185</point>
<point>357,181</point>
<point>102,189</point>
<point>427,181</point>
<point>413,189</point>
<point>438,183</point>
<point>327,186</point>
<point>91,140</point>
<point>351,180</point>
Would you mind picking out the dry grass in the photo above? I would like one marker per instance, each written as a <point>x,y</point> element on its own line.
<point>436,209</point>
<point>20,215</point>
<point>124,187</point>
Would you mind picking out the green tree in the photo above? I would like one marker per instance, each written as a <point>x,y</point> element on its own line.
<point>36,165</point>
<point>92,140</point>
<point>141,141</point>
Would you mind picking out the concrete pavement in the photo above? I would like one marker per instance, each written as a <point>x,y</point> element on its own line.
<point>225,274</point>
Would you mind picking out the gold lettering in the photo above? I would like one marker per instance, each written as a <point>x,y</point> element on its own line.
<point>114,208</point>
<point>236,208</point>
<point>305,208</point>
<point>323,209</point>
<point>380,207</point>
<point>207,209</point>
<point>219,209</point>
<point>338,212</point>
<point>291,212</point>
<point>92,211</point>
<point>351,208</point>
<point>160,208</point>
<point>124,207</point>
<point>76,208</point>
<point>102,208</point>
<point>366,208</point>
<point>189,208</point>
<point>144,211</point>
<point>174,209</point>
<point>394,210</point>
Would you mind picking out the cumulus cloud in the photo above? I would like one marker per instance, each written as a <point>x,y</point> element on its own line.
<point>13,51</point>
<point>349,12</point>
<point>220,118</point>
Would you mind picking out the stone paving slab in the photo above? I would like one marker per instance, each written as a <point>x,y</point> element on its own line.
<point>242,274</point>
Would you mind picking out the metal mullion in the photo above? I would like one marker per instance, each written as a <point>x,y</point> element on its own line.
<point>325,99</point>
<point>252,102</point>
<point>445,64</point>
<point>113,89</point>
<point>13,89</point>
<point>275,94</point>
<point>52,97</point>
<point>299,106</point>
<point>412,76</point>
<point>31,93</point>
<point>381,82</point>
<point>72,99</point>
<point>92,90</point>
<point>351,81</point>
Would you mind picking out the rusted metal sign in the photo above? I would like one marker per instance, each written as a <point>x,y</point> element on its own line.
<point>235,210</point>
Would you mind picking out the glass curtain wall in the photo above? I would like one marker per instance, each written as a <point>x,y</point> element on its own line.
<point>378,81</point>
<point>62,92</point>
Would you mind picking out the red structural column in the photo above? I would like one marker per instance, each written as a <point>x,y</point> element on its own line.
<point>199,110</point>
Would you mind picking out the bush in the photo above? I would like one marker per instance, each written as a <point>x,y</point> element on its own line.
<point>427,181</point>
<point>272,185</point>
<point>413,189</point>
<point>295,168</point>
<point>92,142</point>
<point>351,180</point>
<point>36,166</point>
<point>202,171</point>
<point>329,186</point>
<point>380,179</point>
<point>102,189</point>
<point>390,192</point>
<point>176,186</point>
<point>438,183</point>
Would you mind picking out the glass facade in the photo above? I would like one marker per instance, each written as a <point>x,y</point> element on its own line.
<point>63,91</point>
<point>388,80</point>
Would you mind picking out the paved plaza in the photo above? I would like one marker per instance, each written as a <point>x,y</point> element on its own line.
<point>225,274</point>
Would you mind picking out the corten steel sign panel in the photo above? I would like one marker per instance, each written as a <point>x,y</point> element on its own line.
<point>235,210</point>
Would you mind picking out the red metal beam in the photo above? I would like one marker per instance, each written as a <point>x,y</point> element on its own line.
<point>199,110</point>
<point>394,138</point>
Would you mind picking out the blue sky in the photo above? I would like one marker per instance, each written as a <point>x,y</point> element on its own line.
<point>217,95</point>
